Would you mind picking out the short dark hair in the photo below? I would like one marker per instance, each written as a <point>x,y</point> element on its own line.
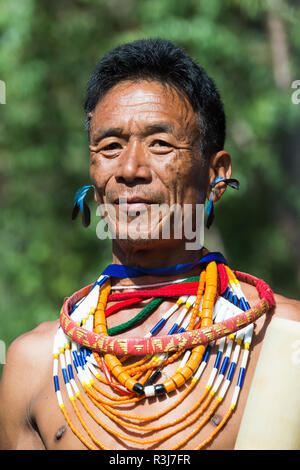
<point>163,61</point>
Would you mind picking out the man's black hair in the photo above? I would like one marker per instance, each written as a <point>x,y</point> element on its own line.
<point>163,61</point>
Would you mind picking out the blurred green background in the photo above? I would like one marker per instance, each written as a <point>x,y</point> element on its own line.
<point>48,51</point>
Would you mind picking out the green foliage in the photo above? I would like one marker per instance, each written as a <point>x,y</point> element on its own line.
<point>47,53</point>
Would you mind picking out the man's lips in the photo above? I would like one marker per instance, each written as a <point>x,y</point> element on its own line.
<point>132,200</point>
<point>133,205</point>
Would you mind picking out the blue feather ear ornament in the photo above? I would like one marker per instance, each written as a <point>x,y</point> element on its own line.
<point>232,182</point>
<point>81,205</point>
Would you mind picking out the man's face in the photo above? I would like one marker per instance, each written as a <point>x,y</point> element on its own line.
<point>145,149</point>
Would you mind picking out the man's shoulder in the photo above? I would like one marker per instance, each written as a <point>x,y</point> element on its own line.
<point>28,340</point>
<point>31,349</point>
<point>26,370</point>
<point>287,308</point>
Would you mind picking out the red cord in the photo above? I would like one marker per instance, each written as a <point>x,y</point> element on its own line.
<point>176,290</point>
<point>223,278</point>
<point>123,304</point>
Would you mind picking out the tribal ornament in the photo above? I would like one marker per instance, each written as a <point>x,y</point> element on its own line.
<point>211,311</point>
<point>81,205</point>
<point>232,182</point>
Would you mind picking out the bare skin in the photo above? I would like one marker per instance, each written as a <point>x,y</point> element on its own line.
<point>144,146</point>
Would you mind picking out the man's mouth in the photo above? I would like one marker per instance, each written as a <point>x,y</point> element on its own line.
<point>133,205</point>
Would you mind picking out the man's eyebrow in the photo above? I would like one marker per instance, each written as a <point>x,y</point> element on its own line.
<point>102,132</point>
<point>165,127</point>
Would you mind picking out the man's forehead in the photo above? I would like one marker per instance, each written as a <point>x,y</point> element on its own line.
<point>143,91</point>
<point>155,107</point>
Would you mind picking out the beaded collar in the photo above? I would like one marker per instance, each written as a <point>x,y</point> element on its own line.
<point>212,313</point>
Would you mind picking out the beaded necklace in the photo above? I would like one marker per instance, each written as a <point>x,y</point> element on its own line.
<point>213,311</point>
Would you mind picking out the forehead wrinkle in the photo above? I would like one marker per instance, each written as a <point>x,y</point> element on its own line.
<point>184,114</point>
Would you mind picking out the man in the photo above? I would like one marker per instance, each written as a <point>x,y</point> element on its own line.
<point>156,131</point>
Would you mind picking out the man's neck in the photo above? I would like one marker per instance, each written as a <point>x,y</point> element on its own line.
<point>156,256</point>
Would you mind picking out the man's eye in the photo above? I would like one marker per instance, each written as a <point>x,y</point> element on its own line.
<point>160,143</point>
<point>112,146</point>
<point>160,146</point>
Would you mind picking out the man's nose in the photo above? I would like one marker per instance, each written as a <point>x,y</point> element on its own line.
<point>133,165</point>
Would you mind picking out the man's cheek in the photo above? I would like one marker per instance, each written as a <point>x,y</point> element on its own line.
<point>99,179</point>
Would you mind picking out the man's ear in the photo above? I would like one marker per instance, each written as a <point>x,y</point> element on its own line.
<point>220,166</point>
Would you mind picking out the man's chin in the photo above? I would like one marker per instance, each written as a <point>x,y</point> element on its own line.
<point>136,238</point>
<point>140,239</point>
